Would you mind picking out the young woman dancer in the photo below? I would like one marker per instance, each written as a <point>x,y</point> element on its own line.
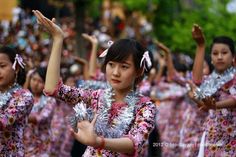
<point>15,103</point>
<point>123,118</point>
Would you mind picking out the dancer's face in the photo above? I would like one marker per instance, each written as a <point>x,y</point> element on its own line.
<point>36,84</point>
<point>221,56</point>
<point>7,74</point>
<point>121,75</point>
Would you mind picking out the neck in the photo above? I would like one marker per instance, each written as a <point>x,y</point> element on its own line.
<point>5,89</point>
<point>222,72</point>
<point>120,95</point>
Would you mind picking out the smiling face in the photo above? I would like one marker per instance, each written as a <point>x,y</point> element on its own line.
<point>121,75</point>
<point>7,74</point>
<point>222,57</point>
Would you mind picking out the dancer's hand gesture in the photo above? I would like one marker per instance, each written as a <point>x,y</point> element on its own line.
<point>86,134</point>
<point>198,35</point>
<point>50,25</point>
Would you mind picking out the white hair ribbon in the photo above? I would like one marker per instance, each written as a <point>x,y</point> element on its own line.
<point>104,53</point>
<point>19,60</point>
<point>147,59</point>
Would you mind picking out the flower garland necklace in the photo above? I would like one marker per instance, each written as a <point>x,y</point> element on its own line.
<point>122,121</point>
<point>102,127</point>
<point>214,83</point>
<point>40,104</point>
<point>6,96</point>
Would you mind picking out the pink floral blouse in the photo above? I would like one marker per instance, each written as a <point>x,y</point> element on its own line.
<point>38,136</point>
<point>138,132</point>
<point>220,125</point>
<point>13,119</point>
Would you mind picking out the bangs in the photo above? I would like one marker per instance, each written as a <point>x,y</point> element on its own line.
<point>121,50</point>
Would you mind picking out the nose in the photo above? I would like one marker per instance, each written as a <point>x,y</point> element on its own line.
<point>220,56</point>
<point>116,71</point>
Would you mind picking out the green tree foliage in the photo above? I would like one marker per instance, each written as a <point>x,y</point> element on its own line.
<point>174,19</point>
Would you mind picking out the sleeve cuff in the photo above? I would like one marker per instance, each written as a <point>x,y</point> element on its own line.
<point>53,93</point>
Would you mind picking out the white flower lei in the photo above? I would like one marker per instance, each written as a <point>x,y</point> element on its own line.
<point>122,121</point>
<point>214,82</point>
<point>102,127</point>
<point>6,96</point>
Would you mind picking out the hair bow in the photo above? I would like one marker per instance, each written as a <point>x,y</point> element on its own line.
<point>147,59</point>
<point>19,60</point>
<point>104,53</point>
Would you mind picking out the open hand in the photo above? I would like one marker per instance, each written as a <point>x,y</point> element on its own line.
<point>209,102</point>
<point>198,35</point>
<point>50,25</point>
<point>86,134</point>
<point>90,38</point>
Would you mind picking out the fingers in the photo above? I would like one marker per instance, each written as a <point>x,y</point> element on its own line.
<point>41,19</point>
<point>76,135</point>
<point>94,119</point>
<point>53,20</point>
<point>86,36</point>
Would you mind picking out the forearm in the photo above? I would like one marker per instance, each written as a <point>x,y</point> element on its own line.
<point>159,74</point>
<point>170,66</point>
<point>228,103</point>
<point>27,83</point>
<point>53,69</point>
<point>85,72</point>
<point>121,145</point>
<point>198,64</point>
<point>93,60</point>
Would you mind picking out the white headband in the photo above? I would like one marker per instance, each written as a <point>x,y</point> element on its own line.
<point>19,60</point>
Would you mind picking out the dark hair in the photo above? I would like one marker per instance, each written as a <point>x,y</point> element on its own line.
<point>208,61</point>
<point>121,50</point>
<point>42,72</point>
<point>224,40</point>
<point>11,53</point>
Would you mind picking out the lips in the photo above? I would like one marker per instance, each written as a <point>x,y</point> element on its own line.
<point>220,63</point>
<point>115,81</point>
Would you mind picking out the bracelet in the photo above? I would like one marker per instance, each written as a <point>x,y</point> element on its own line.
<point>102,143</point>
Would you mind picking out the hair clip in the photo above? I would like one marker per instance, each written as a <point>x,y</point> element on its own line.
<point>147,59</point>
<point>104,53</point>
<point>19,60</point>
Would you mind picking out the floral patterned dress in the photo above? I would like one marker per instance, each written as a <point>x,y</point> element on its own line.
<point>13,120</point>
<point>138,131</point>
<point>220,125</point>
<point>169,119</point>
<point>38,137</point>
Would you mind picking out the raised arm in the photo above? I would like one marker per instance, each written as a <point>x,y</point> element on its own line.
<point>93,56</point>
<point>199,38</point>
<point>170,66</point>
<point>53,69</point>
<point>85,66</point>
<point>162,64</point>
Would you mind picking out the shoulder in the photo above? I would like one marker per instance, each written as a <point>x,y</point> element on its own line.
<point>145,103</point>
<point>24,93</point>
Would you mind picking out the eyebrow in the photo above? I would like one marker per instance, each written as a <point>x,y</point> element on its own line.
<point>125,62</point>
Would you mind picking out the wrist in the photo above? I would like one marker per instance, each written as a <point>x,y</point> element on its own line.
<point>58,38</point>
<point>100,142</point>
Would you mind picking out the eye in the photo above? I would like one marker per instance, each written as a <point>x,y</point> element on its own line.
<point>111,64</point>
<point>2,65</point>
<point>124,67</point>
<point>214,53</point>
<point>224,52</point>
